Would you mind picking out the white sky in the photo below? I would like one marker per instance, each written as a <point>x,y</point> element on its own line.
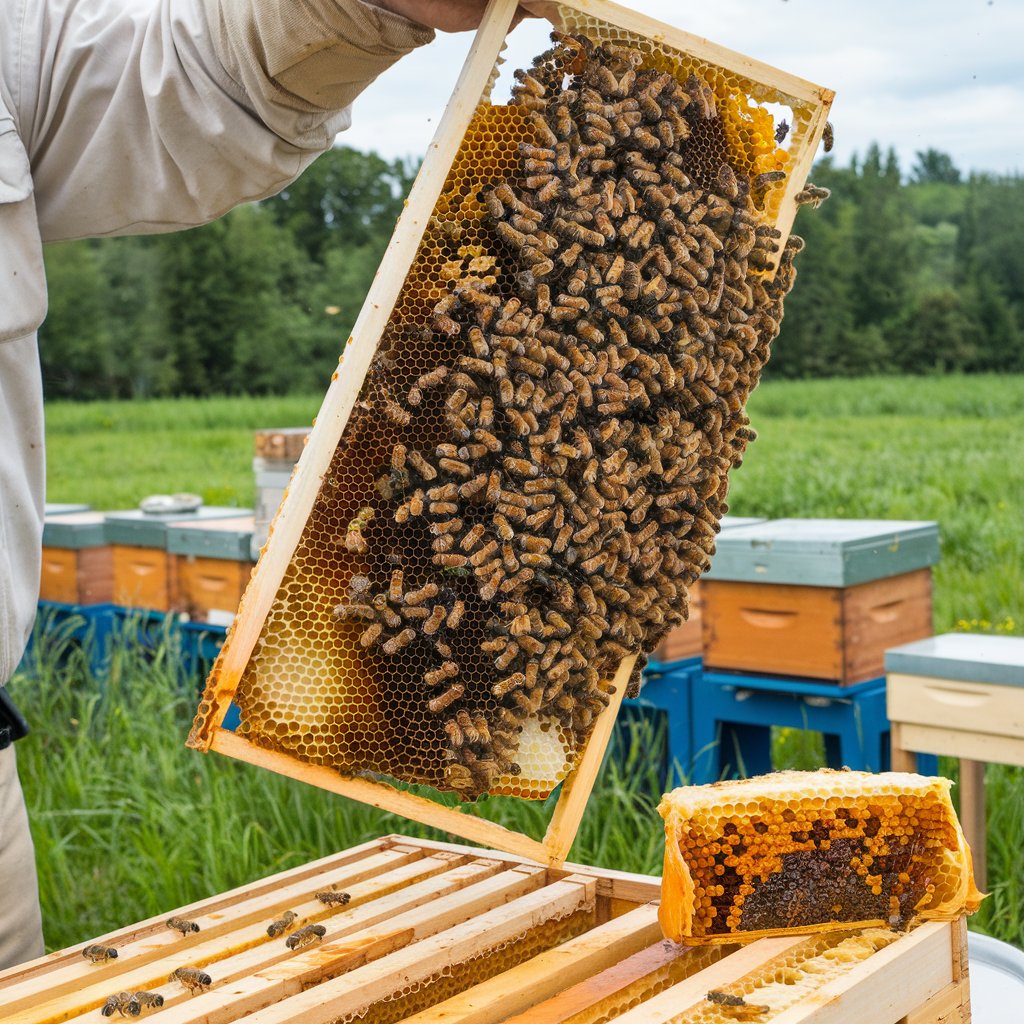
<point>911,74</point>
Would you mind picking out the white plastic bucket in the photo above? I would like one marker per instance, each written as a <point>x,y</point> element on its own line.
<point>997,980</point>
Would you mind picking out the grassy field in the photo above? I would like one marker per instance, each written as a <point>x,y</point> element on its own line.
<point>128,823</point>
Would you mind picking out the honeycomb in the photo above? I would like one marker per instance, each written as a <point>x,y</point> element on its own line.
<point>419,996</point>
<point>811,851</point>
<point>537,464</point>
<point>615,1005</point>
<point>782,982</point>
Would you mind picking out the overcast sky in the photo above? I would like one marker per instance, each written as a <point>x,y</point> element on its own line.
<point>911,74</point>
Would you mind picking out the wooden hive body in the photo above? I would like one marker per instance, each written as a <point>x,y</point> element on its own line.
<point>287,630</point>
<point>78,563</point>
<point>438,932</point>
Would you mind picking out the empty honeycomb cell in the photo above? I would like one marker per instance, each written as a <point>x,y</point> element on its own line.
<point>811,851</point>
<point>537,464</point>
<point>774,987</point>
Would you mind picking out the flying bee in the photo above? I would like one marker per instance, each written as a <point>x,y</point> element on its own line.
<point>828,137</point>
<point>306,936</point>
<point>192,978</point>
<point>124,1003</point>
<point>282,923</point>
<point>98,953</point>
<point>812,196</point>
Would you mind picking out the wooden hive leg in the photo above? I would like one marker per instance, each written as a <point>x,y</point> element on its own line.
<point>972,815</point>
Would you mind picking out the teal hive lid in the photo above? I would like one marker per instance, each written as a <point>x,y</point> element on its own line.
<point>969,657</point>
<point>75,530</point>
<point>149,530</point>
<point>824,552</point>
<point>228,539</point>
<point>63,510</point>
<point>735,522</point>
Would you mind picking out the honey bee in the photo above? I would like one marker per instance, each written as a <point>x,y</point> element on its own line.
<point>812,196</point>
<point>181,924</point>
<point>192,978</point>
<point>354,540</point>
<point>282,923</point>
<point>782,131</point>
<point>828,137</point>
<point>149,999</point>
<point>123,1003</point>
<point>398,642</point>
<point>767,178</point>
<point>98,953</point>
<point>306,936</point>
<point>446,699</point>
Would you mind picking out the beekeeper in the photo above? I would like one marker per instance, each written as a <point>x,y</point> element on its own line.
<point>128,117</point>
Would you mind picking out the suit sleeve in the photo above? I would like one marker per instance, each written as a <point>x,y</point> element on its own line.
<point>153,115</point>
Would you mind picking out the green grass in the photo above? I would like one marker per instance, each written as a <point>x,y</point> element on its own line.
<point>128,823</point>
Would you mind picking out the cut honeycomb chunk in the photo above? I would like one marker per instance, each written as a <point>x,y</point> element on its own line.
<point>811,851</point>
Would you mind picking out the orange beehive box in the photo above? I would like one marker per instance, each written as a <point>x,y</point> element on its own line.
<point>77,565</point>
<point>145,575</point>
<point>213,565</point>
<point>835,633</point>
<point>821,598</point>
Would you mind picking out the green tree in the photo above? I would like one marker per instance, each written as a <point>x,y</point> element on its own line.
<point>346,199</point>
<point>75,347</point>
<point>934,167</point>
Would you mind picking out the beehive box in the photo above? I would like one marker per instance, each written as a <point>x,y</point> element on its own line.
<point>331,662</point>
<point>959,695</point>
<point>78,565</point>
<point>818,598</point>
<point>64,508</point>
<point>214,563</point>
<point>435,932</point>
<point>686,640</point>
<point>277,451</point>
<point>145,576</point>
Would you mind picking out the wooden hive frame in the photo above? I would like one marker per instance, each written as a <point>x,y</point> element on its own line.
<point>435,931</point>
<point>476,79</point>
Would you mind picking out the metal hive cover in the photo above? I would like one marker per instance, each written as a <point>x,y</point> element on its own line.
<point>824,552</point>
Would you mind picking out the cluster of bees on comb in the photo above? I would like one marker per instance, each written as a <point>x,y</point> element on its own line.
<point>592,417</point>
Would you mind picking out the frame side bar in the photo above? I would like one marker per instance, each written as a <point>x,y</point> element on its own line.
<point>341,396</point>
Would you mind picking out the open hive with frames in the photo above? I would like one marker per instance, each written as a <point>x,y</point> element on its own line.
<point>436,932</point>
<point>521,465</point>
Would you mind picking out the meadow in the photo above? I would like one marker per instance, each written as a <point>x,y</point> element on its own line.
<point>128,823</point>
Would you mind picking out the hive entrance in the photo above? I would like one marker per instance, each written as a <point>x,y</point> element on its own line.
<point>521,466</point>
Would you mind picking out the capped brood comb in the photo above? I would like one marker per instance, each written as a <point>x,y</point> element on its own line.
<point>811,851</point>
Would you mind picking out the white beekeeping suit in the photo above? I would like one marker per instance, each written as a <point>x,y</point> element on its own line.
<point>132,116</point>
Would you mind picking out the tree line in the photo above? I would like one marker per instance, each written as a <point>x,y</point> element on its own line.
<point>917,273</point>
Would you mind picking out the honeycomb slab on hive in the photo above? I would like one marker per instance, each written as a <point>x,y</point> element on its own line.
<point>811,851</point>
<point>522,463</point>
